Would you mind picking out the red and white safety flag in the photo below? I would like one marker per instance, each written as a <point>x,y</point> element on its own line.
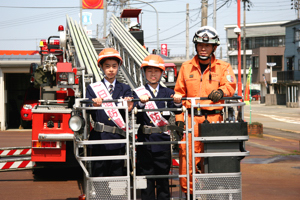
<point>101,92</point>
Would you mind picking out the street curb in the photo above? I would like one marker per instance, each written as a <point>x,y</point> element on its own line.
<point>253,144</point>
<point>298,132</point>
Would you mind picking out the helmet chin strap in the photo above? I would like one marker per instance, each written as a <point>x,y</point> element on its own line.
<point>206,58</point>
<point>203,57</point>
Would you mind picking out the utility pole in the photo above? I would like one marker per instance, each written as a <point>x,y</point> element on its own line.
<point>215,14</point>
<point>244,46</point>
<point>239,47</point>
<point>204,12</point>
<point>295,5</point>
<point>80,6</point>
<point>97,31</point>
<point>104,17</point>
<point>187,52</point>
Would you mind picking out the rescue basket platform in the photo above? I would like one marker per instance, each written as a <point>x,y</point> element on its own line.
<point>220,176</point>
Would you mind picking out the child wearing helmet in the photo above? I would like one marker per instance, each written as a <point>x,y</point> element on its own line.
<point>202,76</point>
<point>154,159</point>
<point>106,126</point>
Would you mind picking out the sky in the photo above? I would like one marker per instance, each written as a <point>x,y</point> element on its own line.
<point>24,23</point>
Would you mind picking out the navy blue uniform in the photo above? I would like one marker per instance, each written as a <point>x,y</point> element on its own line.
<point>154,159</point>
<point>109,167</point>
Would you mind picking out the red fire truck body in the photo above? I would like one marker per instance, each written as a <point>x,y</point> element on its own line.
<point>52,138</point>
<point>49,151</point>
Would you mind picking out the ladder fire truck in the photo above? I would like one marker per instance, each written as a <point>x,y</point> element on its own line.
<point>61,125</point>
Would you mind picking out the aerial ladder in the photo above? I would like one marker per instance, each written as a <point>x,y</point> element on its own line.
<point>75,63</point>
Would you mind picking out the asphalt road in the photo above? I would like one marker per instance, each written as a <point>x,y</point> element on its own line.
<point>53,184</point>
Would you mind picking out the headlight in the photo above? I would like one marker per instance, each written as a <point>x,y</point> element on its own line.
<point>63,76</point>
<point>27,106</point>
<point>71,79</point>
<point>76,123</point>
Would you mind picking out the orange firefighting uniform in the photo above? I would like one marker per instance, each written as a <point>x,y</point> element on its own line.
<point>192,83</point>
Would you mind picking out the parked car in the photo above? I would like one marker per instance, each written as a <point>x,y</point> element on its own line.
<point>30,100</point>
<point>255,95</point>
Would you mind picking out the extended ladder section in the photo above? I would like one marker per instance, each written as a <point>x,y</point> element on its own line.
<point>84,52</point>
<point>132,52</point>
<point>121,39</point>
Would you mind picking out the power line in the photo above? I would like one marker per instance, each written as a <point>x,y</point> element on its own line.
<point>77,7</point>
<point>190,27</point>
<point>169,28</point>
<point>34,19</point>
<point>29,39</point>
<point>172,11</point>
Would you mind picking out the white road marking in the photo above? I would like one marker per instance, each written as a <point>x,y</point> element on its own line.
<point>283,119</point>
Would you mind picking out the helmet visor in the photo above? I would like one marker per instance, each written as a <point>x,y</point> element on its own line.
<point>198,33</point>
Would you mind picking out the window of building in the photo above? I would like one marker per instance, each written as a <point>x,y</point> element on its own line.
<point>290,63</point>
<point>232,44</point>
<point>255,62</point>
<point>277,60</point>
<point>272,41</point>
<point>281,40</point>
<point>248,61</point>
<point>248,43</point>
<point>233,62</point>
<point>297,35</point>
<point>258,42</point>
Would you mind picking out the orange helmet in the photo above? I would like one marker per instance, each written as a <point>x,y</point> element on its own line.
<point>109,53</point>
<point>153,61</point>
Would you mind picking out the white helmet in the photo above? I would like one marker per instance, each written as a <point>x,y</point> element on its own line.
<point>206,34</point>
<point>134,25</point>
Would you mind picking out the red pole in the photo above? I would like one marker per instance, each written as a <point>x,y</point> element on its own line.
<point>239,48</point>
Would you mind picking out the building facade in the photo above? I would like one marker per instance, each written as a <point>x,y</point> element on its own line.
<point>265,44</point>
<point>290,77</point>
<point>14,81</point>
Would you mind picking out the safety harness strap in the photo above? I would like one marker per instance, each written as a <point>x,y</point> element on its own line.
<point>100,127</point>
<point>160,129</point>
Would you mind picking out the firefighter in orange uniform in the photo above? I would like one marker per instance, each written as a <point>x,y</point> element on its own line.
<point>202,76</point>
